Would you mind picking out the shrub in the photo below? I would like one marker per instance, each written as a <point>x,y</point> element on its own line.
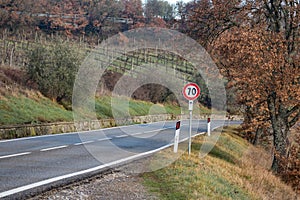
<point>54,68</point>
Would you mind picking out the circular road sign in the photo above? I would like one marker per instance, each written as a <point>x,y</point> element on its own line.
<point>191,91</point>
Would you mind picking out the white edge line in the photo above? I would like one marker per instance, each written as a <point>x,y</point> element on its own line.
<point>51,180</point>
<point>54,148</point>
<point>15,155</point>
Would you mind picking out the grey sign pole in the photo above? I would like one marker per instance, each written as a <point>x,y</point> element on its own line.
<point>190,125</point>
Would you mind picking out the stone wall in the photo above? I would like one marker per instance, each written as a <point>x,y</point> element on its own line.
<point>10,132</point>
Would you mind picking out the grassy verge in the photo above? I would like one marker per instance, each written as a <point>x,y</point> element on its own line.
<point>19,104</point>
<point>136,107</point>
<point>31,107</point>
<point>234,169</point>
<point>25,110</point>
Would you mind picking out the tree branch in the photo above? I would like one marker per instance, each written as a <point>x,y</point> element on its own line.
<point>295,119</point>
<point>291,111</point>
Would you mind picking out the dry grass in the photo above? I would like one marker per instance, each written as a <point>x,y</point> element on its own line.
<point>234,169</point>
<point>13,83</point>
<point>260,181</point>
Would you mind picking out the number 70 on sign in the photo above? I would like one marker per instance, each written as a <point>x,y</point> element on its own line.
<point>191,91</point>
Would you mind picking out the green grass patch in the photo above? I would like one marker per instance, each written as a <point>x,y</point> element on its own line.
<point>121,107</point>
<point>24,110</point>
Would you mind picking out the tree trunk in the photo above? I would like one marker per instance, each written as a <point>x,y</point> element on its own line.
<point>280,126</point>
<point>280,134</point>
<point>258,133</point>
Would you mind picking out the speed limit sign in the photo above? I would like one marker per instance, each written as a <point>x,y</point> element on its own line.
<point>191,91</point>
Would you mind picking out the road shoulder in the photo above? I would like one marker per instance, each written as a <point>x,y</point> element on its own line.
<point>115,184</point>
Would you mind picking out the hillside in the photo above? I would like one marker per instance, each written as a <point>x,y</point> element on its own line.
<point>22,103</point>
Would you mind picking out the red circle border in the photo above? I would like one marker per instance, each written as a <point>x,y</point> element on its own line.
<point>198,91</point>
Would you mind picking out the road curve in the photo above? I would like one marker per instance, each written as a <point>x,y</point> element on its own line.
<point>31,165</point>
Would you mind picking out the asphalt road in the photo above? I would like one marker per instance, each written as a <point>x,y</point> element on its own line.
<point>28,163</point>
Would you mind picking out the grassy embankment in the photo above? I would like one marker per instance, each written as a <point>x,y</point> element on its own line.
<point>21,105</point>
<point>234,169</point>
<point>25,109</point>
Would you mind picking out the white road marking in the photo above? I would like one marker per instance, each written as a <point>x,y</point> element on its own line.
<point>140,133</point>
<point>150,131</point>
<point>155,130</point>
<point>114,163</point>
<point>121,136</point>
<point>54,148</point>
<point>81,143</point>
<point>77,144</point>
<point>104,139</point>
<point>88,142</point>
<point>15,155</point>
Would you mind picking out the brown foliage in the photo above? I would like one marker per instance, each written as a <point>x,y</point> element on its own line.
<point>207,20</point>
<point>260,57</point>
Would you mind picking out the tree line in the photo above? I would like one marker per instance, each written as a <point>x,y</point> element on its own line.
<point>83,16</point>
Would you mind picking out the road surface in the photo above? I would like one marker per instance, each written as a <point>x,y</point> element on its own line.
<point>29,163</point>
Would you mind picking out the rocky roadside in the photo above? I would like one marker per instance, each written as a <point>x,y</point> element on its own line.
<point>117,184</point>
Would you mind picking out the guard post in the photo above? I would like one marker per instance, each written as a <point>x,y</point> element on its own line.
<point>176,138</point>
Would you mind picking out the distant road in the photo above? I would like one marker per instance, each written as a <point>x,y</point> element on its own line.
<point>29,163</point>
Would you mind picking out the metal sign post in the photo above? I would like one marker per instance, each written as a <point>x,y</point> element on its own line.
<point>191,92</point>
<point>190,124</point>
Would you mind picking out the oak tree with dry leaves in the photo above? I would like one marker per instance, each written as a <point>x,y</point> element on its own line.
<point>261,57</point>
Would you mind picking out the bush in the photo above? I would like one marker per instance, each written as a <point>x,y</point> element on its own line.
<point>54,68</point>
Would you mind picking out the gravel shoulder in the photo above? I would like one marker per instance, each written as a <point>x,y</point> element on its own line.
<point>116,184</point>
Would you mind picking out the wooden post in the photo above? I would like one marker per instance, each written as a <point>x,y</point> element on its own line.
<point>11,55</point>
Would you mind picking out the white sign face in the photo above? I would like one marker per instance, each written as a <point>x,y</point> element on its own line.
<point>191,91</point>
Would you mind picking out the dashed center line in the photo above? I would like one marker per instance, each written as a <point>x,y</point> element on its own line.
<point>104,139</point>
<point>121,136</point>
<point>81,143</point>
<point>156,130</point>
<point>150,131</point>
<point>15,155</point>
<point>54,148</point>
